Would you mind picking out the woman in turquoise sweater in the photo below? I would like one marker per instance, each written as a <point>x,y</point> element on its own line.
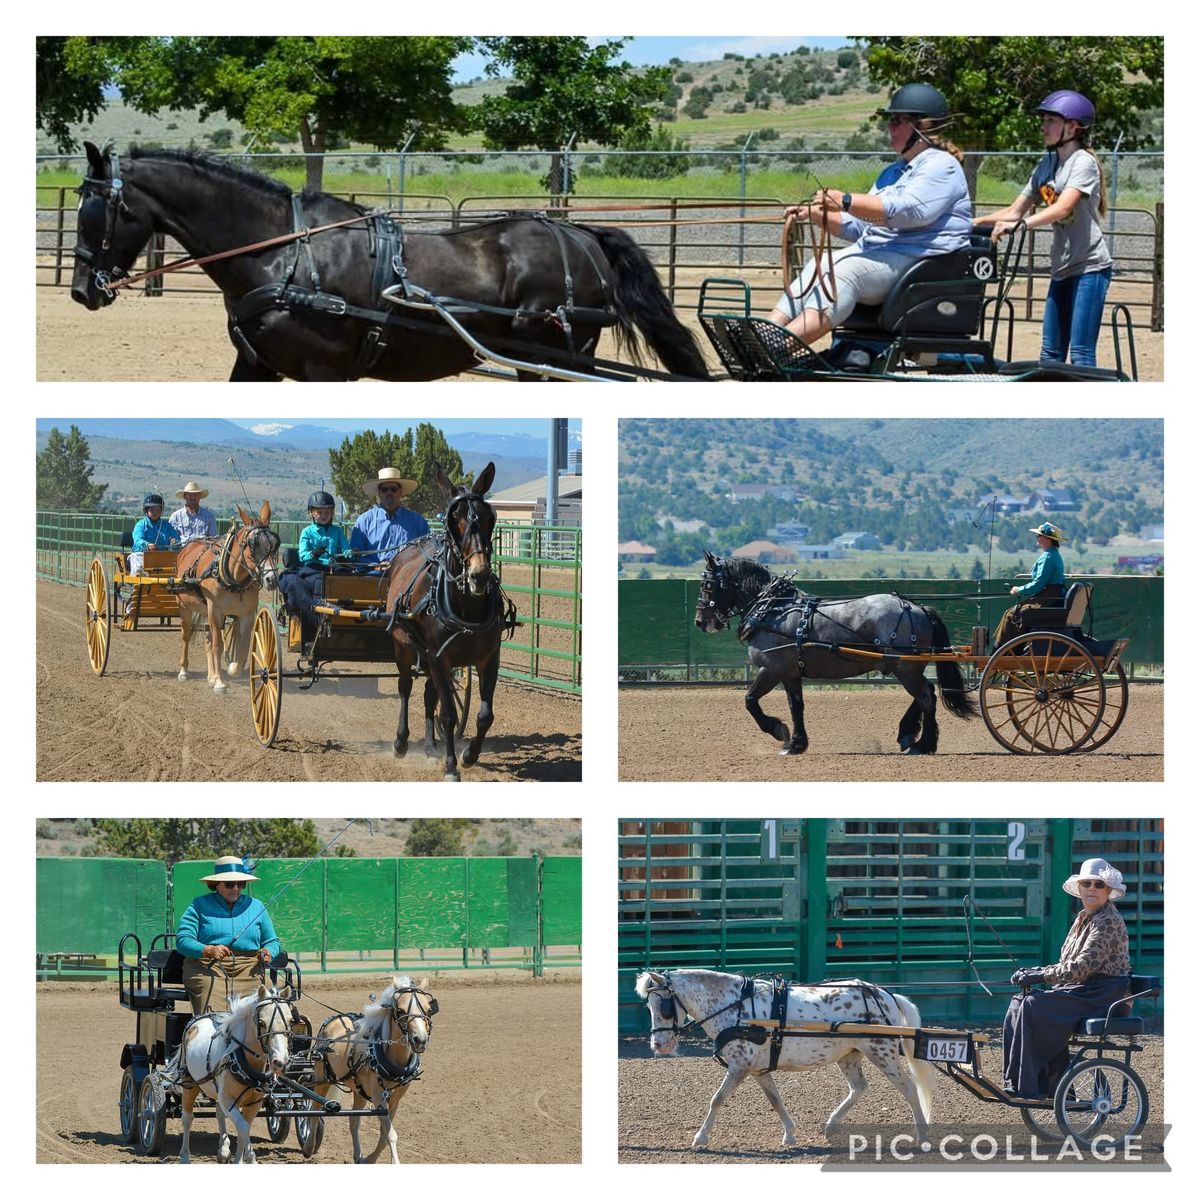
<point>224,935</point>
<point>1047,584</point>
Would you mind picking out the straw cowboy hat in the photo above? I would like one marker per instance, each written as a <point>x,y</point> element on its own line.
<point>229,869</point>
<point>1097,868</point>
<point>390,475</point>
<point>191,488</point>
<point>1051,531</point>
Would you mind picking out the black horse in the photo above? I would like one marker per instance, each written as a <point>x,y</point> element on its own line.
<point>313,307</point>
<point>792,636</point>
<point>448,609</point>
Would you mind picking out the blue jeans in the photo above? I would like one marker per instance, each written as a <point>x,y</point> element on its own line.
<point>1074,308</point>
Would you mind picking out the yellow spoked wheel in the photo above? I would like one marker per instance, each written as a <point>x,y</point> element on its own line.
<point>1116,702</point>
<point>99,617</point>
<point>229,641</point>
<point>1042,693</point>
<point>266,677</point>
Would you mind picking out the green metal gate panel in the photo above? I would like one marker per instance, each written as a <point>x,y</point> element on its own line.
<point>487,902</point>
<point>85,906</point>
<point>431,903</point>
<point>361,903</point>
<point>562,901</point>
<point>523,901</point>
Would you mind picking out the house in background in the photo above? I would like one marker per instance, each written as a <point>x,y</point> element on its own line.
<point>858,540</point>
<point>1051,500</point>
<point>766,552</point>
<point>636,552</point>
<point>527,501</point>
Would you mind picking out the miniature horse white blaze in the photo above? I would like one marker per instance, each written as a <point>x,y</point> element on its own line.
<point>710,998</point>
<point>261,1024</point>
<point>377,1056</point>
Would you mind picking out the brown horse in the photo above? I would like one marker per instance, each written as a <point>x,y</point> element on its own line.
<point>219,578</point>
<point>448,611</point>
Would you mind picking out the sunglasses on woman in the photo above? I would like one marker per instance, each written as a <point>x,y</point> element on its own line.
<point>237,883</point>
<point>1092,883</point>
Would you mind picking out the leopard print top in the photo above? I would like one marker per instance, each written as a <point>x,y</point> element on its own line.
<point>1096,945</point>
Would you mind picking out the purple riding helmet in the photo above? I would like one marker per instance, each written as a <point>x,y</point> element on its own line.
<point>1071,106</point>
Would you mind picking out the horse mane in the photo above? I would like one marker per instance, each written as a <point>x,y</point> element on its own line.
<point>642,987</point>
<point>232,1024</point>
<point>376,1017</point>
<point>746,570</point>
<point>217,166</point>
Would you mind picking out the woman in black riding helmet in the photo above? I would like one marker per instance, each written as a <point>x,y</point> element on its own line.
<point>322,545</point>
<point>151,532</point>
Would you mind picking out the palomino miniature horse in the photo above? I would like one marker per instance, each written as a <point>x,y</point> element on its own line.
<point>377,1056</point>
<point>311,309</point>
<point>448,611</point>
<point>256,1033</point>
<point>221,578</point>
<point>780,615</point>
<point>714,1000</point>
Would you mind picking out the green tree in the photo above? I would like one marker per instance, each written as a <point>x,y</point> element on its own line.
<point>564,88</point>
<point>415,453</point>
<point>993,84</point>
<point>322,90</point>
<point>175,839</point>
<point>64,476</point>
<point>669,158</point>
<point>435,837</point>
<point>66,96</point>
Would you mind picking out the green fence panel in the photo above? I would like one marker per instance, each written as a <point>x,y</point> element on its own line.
<point>431,903</point>
<point>85,906</point>
<point>361,903</point>
<point>487,902</point>
<point>523,901</point>
<point>562,901</point>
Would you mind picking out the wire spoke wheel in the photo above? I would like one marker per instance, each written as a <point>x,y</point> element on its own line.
<point>278,1126</point>
<point>1101,1100</point>
<point>151,1120</point>
<point>266,677</point>
<point>99,617</point>
<point>310,1132</point>
<point>1116,703</point>
<point>1042,1124</point>
<point>1042,693</point>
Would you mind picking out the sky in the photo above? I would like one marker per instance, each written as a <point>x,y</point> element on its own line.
<point>508,426</point>
<point>657,51</point>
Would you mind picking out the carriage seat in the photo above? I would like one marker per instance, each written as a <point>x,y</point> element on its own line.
<point>127,539</point>
<point>936,296</point>
<point>1139,985</point>
<point>291,559</point>
<point>1071,612</point>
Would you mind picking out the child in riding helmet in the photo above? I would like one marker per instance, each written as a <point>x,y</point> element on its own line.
<point>322,541</point>
<point>151,532</point>
<point>1069,182</point>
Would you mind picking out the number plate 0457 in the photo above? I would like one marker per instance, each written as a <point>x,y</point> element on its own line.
<point>942,1049</point>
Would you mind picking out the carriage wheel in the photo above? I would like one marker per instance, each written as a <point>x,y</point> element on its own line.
<point>151,1120</point>
<point>310,1133</point>
<point>266,677</point>
<point>461,679</point>
<point>127,1107</point>
<point>1041,1123</point>
<point>1116,702</point>
<point>1101,1098</point>
<point>1042,693</point>
<point>229,641</point>
<point>278,1126</point>
<point>99,617</point>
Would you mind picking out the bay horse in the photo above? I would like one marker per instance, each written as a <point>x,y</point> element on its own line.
<point>777,618</point>
<point>219,578</point>
<point>312,307</point>
<point>718,1001</point>
<point>376,1055</point>
<point>233,1058</point>
<point>447,611</point>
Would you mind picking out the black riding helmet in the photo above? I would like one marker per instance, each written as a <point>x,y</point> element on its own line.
<point>320,500</point>
<point>151,500</point>
<point>917,100</point>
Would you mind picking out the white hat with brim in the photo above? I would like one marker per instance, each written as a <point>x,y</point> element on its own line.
<point>191,488</point>
<point>1097,868</point>
<point>1045,529</point>
<point>390,475</point>
<point>229,870</point>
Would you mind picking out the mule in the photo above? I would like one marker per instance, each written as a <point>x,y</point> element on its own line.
<point>252,1040</point>
<point>317,307</point>
<point>716,1001</point>
<point>448,611</point>
<point>220,578</point>
<point>376,1056</point>
<point>792,636</point>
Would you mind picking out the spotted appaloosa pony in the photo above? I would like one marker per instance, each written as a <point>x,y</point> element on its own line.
<point>377,1056</point>
<point>714,1000</point>
<point>257,1029</point>
<point>220,578</point>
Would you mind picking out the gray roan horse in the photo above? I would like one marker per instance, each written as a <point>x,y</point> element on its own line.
<point>793,636</point>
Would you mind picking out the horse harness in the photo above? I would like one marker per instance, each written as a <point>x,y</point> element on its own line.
<point>219,569</point>
<point>109,193</point>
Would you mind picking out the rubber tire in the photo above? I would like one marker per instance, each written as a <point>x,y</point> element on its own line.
<point>310,1133</point>
<point>1095,1128</point>
<point>127,1107</point>
<point>152,1122</point>
<point>278,1127</point>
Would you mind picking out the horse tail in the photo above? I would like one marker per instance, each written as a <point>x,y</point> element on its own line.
<point>949,674</point>
<point>922,1072</point>
<point>642,306</point>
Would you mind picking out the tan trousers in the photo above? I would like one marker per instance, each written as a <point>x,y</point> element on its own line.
<point>208,987</point>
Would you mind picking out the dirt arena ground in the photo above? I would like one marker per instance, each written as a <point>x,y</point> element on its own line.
<point>138,722</point>
<point>483,1097</point>
<point>705,733</point>
<point>183,337</point>
<point>662,1102</point>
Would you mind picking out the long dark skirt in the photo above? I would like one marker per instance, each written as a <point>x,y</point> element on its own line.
<point>1038,1026</point>
<point>1009,626</point>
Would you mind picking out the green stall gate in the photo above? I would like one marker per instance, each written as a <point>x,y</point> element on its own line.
<point>816,898</point>
<point>540,566</point>
<point>335,915</point>
<point>658,641</point>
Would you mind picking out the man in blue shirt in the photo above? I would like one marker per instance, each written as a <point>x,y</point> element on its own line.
<point>1047,583</point>
<point>388,525</point>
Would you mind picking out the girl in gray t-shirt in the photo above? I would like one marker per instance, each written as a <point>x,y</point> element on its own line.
<point>1069,183</point>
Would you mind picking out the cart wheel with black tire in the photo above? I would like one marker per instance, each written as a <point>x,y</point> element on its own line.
<point>1100,1100</point>
<point>151,1120</point>
<point>127,1107</point>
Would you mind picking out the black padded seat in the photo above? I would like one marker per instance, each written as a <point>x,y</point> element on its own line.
<point>1070,612</point>
<point>937,296</point>
<point>127,539</point>
<point>291,559</point>
<point>1095,1025</point>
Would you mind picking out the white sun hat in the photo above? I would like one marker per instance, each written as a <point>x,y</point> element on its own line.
<point>1097,868</point>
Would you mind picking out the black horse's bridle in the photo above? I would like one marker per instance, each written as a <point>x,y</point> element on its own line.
<point>109,193</point>
<point>669,1005</point>
<point>471,540</point>
<point>712,584</point>
<point>424,1012</point>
